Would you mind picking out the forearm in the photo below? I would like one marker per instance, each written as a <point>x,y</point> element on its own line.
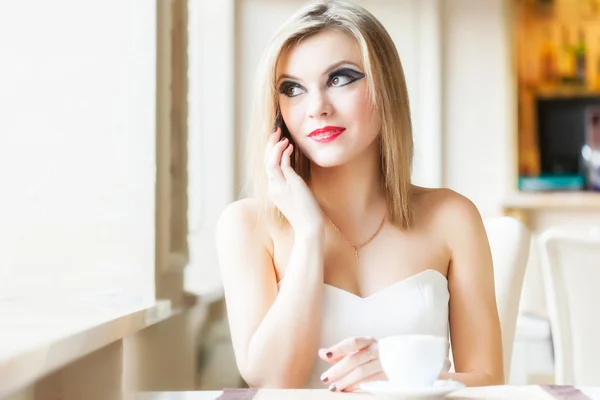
<point>474,378</point>
<point>283,348</point>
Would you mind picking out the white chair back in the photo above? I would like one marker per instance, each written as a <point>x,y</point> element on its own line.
<point>571,271</point>
<point>510,242</point>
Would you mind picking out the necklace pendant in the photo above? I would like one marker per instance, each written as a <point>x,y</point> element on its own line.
<point>360,246</point>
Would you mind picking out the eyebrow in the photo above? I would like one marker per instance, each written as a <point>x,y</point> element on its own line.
<point>327,71</point>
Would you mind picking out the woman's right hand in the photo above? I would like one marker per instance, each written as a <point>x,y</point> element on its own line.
<point>288,191</point>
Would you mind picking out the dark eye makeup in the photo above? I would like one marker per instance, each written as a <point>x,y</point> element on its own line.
<point>350,74</point>
<point>338,78</point>
<point>290,88</point>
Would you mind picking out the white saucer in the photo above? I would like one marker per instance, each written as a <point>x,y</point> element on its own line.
<point>438,390</point>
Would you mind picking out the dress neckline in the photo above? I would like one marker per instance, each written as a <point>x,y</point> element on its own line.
<point>409,279</point>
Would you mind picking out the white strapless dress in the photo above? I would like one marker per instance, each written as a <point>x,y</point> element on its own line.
<point>415,305</point>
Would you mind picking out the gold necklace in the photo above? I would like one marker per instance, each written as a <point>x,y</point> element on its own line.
<point>355,248</point>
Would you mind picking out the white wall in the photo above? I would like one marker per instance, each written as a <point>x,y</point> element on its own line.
<point>479,109</point>
<point>77,146</point>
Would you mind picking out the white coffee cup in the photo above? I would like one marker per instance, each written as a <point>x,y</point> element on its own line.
<point>413,360</point>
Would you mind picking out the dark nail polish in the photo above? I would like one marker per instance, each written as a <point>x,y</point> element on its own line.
<point>329,354</point>
<point>333,388</point>
<point>325,379</point>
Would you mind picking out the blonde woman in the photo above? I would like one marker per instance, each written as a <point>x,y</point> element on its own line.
<point>337,248</point>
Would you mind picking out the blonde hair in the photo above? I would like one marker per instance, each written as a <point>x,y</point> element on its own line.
<point>387,90</point>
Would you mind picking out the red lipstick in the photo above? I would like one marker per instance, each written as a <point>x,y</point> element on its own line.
<point>326,134</point>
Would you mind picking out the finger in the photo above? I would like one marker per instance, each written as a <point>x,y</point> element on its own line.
<point>356,376</point>
<point>346,347</point>
<point>348,364</point>
<point>286,163</point>
<point>273,140</point>
<point>273,165</point>
<point>376,377</point>
<point>332,361</point>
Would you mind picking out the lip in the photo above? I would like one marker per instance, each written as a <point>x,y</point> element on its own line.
<point>326,134</point>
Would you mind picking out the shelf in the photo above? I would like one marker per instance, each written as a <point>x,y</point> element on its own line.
<point>39,337</point>
<point>565,93</point>
<point>573,201</point>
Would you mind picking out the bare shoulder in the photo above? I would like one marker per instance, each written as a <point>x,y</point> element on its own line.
<point>239,223</point>
<point>446,209</point>
<point>239,214</point>
<point>456,222</point>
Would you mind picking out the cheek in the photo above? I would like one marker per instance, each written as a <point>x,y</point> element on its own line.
<point>356,107</point>
<point>294,113</point>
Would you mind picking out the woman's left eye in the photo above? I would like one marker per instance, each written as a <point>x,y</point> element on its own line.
<point>340,80</point>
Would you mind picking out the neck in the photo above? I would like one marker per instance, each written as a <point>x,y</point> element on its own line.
<point>352,191</point>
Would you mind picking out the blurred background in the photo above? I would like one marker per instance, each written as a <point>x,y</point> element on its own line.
<point>122,137</point>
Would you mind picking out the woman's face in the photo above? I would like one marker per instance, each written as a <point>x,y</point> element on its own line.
<point>324,98</point>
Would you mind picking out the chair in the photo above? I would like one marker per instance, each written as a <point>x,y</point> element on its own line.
<point>571,270</point>
<point>510,243</point>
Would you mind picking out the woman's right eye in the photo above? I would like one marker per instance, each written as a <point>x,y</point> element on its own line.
<point>291,89</point>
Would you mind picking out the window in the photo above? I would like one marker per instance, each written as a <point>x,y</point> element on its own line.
<point>77,147</point>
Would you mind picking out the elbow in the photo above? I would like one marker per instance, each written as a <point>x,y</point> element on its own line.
<point>495,376</point>
<point>497,380</point>
<point>260,370</point>
<point>491,379</point>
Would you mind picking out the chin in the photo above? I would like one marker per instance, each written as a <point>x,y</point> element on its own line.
<point>329,163</point>
<point>328,159</point>
<point>338,153</point>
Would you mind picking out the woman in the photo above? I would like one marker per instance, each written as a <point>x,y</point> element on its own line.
<point>337,248</point>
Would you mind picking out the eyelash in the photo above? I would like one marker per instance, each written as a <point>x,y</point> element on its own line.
<point>352,76</point>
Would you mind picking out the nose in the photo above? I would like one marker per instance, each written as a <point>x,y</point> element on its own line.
<point>320,106</point>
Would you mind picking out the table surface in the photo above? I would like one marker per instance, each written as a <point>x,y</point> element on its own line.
<point>490,392</point>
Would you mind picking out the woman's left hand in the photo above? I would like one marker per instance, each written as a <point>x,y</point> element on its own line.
<point>354,360</point>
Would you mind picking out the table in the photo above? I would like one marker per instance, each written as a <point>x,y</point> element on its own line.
<point>481,393</point>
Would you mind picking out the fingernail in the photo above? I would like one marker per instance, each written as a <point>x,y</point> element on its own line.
<point>332,388</point>
<point>329,354</point>
<point>324,379</point>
